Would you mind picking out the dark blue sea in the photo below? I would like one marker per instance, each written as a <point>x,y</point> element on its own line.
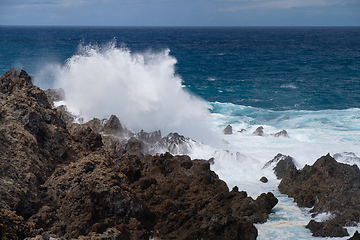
<point>196,81</point>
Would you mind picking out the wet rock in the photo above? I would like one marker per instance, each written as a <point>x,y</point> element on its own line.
<point>228,130</point>
<point>326,186</point>
<point>282,162</point>
<point>325,229</point>
<point>259,131</point>
<point>356,236</point>
<point>282,133</point>
<point>264,179</point>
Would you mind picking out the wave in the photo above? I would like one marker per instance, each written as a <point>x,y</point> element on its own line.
<point>142,89</point>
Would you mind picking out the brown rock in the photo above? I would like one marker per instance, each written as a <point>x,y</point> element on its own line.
<point>327,186</point>
<point>228,130</point>
<point>65,179</point>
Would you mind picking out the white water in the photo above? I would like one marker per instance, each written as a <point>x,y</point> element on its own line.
<point>145,93</point>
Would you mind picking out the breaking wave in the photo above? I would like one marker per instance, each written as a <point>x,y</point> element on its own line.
<point>142,89</point>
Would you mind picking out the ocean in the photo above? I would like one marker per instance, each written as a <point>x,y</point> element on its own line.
<point>196,81</point>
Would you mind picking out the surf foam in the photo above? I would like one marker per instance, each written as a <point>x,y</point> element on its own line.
<point>142,89</point>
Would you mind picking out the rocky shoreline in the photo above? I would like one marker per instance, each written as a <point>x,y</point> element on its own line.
<point>100,180</point>
<point>63,180</point>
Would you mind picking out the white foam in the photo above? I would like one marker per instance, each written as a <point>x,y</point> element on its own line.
<point>142,89</point>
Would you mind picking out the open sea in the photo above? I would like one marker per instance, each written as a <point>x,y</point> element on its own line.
<point>196,81</point>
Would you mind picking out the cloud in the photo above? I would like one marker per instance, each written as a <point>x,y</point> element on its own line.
<point>239,5</point>
<point>34,3</point>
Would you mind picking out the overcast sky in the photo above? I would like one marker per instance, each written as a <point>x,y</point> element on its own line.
<point>181,12</point>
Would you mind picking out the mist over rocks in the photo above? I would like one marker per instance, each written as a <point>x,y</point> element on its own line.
<point>94,180</point>
<point>326,187</point>
<point>260,132</point>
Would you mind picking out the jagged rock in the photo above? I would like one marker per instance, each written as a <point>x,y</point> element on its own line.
<point>228,130</point>
<point>66,180</point>
<point>113,126</point>
<point>356,236</point>
<point>282,164</point>
<point>259,131</point>
<point>242,130</point>
<point>149,138</point>
<point>327,186</point>
<point>264,179</point>
<point>173,143</point>
<point>282,133</point>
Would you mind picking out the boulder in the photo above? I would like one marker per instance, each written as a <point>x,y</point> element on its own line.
<point>282,133</point>
<point>264,179</point>
<point>259,131</point>
<point>228,130</point>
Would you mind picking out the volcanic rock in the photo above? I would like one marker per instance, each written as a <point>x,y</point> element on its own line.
<point>228,130</point>
<point>264,179</point>
<point>73,181</point>
<point>325,229</point>
<point>282,162</point>
<point>326,186</point>
<point>259,131</point>
<point>282,133</point>
<point>356,236</point>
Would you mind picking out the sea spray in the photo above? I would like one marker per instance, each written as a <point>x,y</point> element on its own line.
<point>142,89</point>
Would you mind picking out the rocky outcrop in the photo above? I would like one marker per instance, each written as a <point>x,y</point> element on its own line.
<point>85,181</point>
<point>280,164</point>
<point>228,130</point>
<point>326,186</point>
<point>260,132</point>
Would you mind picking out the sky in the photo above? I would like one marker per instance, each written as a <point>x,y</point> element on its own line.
<point>180,12</point>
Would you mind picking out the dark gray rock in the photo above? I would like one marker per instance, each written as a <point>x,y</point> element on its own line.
<point>282,162</point>
<point>259,131</point>
<point>282,133</point>
<point>356,236</point>
<point>264,179</point>
<point>325,229</point>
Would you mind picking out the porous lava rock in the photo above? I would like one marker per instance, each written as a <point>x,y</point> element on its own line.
<point>70,180</point>
<point>326,186</point>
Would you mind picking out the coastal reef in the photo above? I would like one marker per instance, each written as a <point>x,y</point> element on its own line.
<point>95,180</point>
